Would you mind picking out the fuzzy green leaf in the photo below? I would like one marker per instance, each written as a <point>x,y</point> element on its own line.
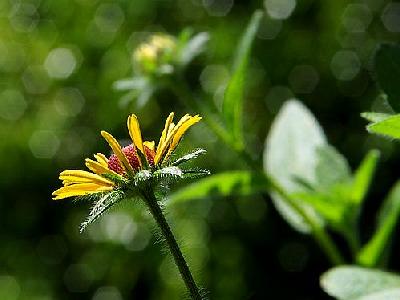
<point>234,93</point>
<point>238,183</point>
<point>363,176</point>
<point>290,153</point>
<point>187,157</point>
<point>356,283</point>
<point>101,206</point>
<point>375,117</point>
<point>387,69</point>
<point>171,171</point>
<point>389,127</point>
<point>371,253</point>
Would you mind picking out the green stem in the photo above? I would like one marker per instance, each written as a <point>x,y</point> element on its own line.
<point>320,234</point>
<point>353,239</point>
<point>318,231</point>
<point>180,262</point>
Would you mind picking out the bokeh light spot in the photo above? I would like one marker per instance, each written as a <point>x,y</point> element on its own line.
<point>391,17</point>
<point>119,227</point>
<point>60,63</point>
<point>69,102</point>
<point>356,17</point>
<point>35,80</point>
<point>107,293</point>
<point>12,105</point>
<point>9,288</point>
<point>280,9</point>
<point>269,28</point>
<point>218,8</point>
<point>213,77</point>
<point>109,17</point>
<point>345,65</point>
<point>23,16</point>
<point>44,144</point>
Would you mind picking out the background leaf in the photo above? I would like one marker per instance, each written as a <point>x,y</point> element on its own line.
<point>375,117</point>
<point>238,183</point>
<point>387,220</point>
<point>389,127</point>
<point>363,176</point>
<point>387,69</point>
<point>233,99</point>
<point>355,283</point>
<point>332,167</point>
<point>193,48</point>
<point>389,294</point>
<point>290,152</point>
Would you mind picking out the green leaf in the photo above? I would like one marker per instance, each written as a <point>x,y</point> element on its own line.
<point>363,176</point>
<point>187,157</point>
<point>389,127</point>
<point>332,167</point>
<point>328,205</point>
<point>387,69</point>
<point>389,294</point>
<point>372,252</point>
<point>356,283</point>
<point>135,83</point>
<point>375,117</point>
<point>233,99</point>
<point>290,153</point>
<point>169,171</point>
<point>238,183</point>
<point>193,48</point>
<point>101,206</point>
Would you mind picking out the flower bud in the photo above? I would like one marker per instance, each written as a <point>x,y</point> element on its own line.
<point>155,55</point>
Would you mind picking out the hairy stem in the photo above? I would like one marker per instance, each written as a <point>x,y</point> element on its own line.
<point>180,262</point>
<point>319,233</point>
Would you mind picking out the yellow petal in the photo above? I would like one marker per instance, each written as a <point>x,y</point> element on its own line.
<point>116,148</point>
<point>181,129</point>
<point>80,176</point>
<point>135,133</point>
<point>149,145</point>
<point>79,189</point>
<point>102,159</point>
<point>97,167</point>
<point>164,135</point>
<point>167,143</point>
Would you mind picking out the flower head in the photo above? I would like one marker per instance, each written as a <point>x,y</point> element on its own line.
<point>120,169</point>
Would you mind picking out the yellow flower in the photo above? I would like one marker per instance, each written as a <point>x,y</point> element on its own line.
<point>108,173</point>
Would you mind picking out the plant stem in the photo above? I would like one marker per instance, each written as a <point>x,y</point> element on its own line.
<point>320,234</point>
<point>353,240</point>
<point>180,262</point>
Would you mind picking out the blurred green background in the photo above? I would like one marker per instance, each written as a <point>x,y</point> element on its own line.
<point>58,61</point>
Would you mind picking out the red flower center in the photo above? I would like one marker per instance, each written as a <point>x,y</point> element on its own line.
<point>114,163</point>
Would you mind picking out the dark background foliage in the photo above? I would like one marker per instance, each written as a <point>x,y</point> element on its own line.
<point>58,61</point>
